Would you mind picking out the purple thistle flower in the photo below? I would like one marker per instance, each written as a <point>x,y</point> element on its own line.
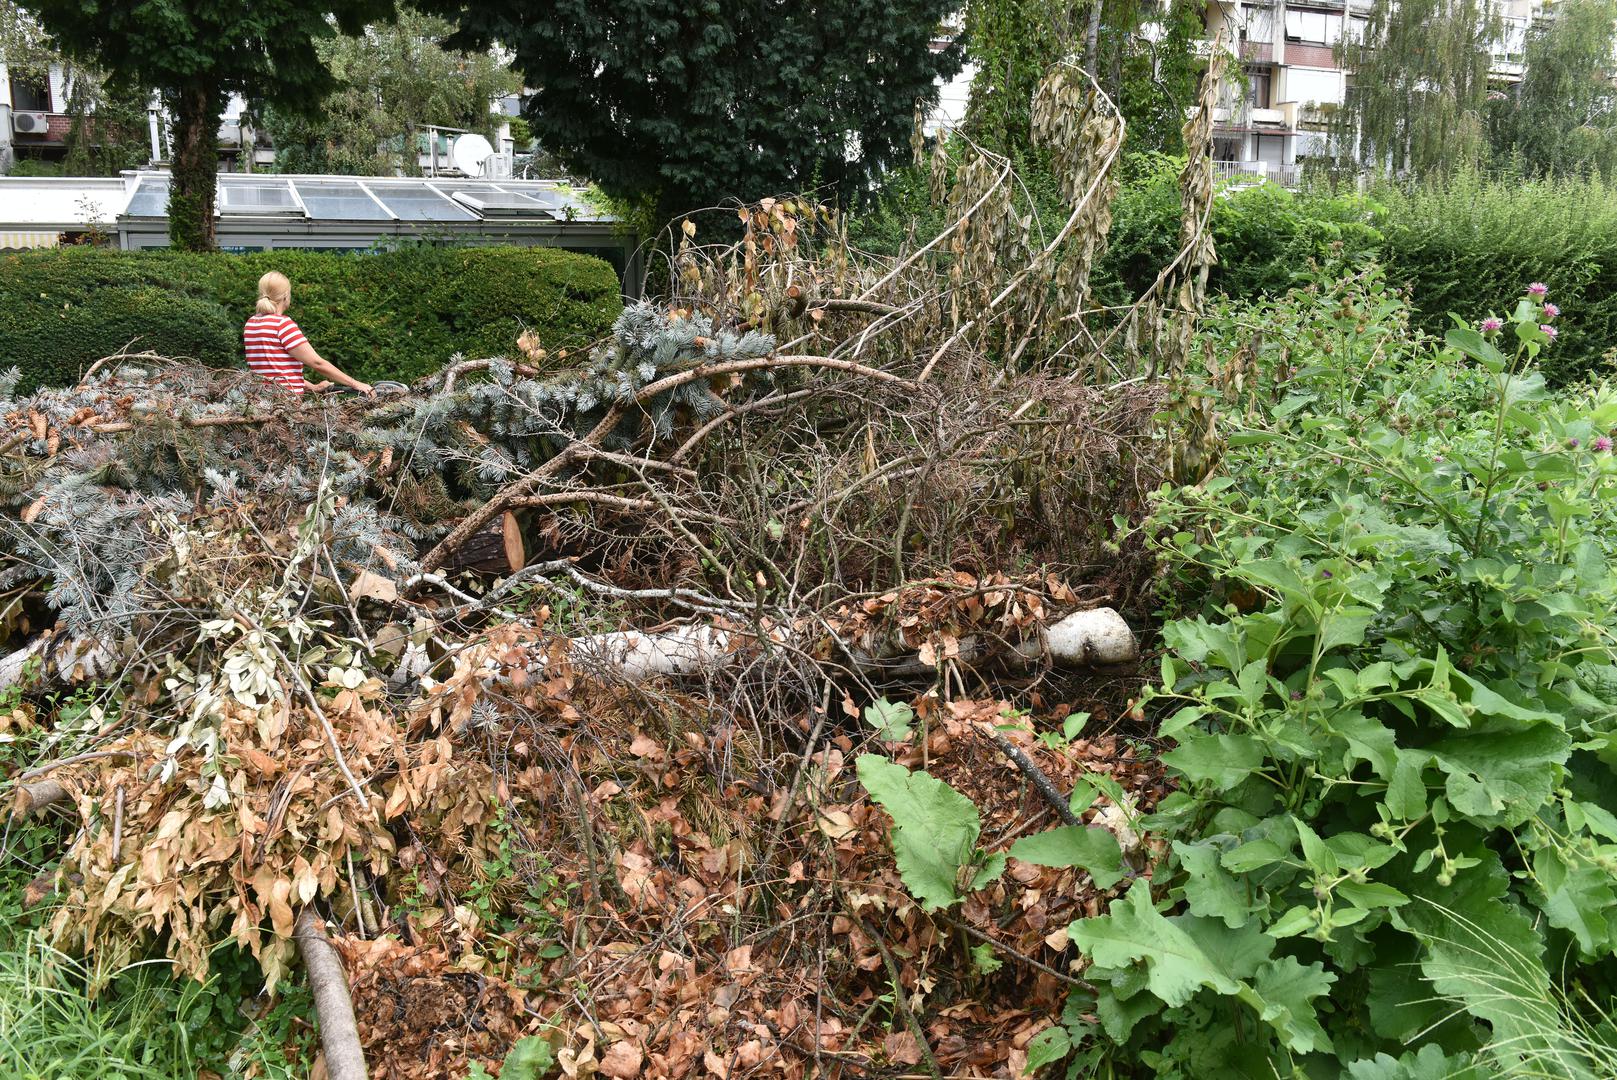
<point>1551,311</point>
<point>1601,445</point>
<point>1538,290</point>
<point>1326,574</point>
<point>1437,458</point>
<point>1492,325</point>
<point>1549,331</point>
<point>1573,443</point>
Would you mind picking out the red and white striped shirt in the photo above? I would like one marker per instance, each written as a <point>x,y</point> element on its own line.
<point>269,341</point>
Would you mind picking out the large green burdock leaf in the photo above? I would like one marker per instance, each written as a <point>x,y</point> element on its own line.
<point>1283,992</point>
<point>1176,965</point>
<point>1429,1064</point>
<point>1506,774</point>
<point>1087,847</point>
<point>935,828</point>
<point>1482,951</point>
<point>1210,889</point>
<point>1185,953</point>
<point>1223,760</point>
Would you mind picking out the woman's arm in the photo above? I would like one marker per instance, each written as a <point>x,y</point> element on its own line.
<point>304,353</point>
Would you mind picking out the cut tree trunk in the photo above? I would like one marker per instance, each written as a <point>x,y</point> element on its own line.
<point>1093,638</point>
<point>1098,637</point>
<point>36,796</point>
<point>50,662</point>
<point>333,1008</point>
<point>496,549</point>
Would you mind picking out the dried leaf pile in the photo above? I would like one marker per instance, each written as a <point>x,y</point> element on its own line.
<point>689,917</point>
<point>863,483</point>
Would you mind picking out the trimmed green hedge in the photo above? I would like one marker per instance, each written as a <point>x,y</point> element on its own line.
<point>395,315</point>
<point>1264,236</point>
<point>1472,245</point>
<point>1469,246</point>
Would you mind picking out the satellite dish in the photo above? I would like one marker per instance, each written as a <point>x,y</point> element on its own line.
<point>469,152</point>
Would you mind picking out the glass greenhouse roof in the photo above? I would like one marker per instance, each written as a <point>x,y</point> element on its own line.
<point>335,199</point>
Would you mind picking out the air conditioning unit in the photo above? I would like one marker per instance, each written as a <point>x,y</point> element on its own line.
<point>30,123</point>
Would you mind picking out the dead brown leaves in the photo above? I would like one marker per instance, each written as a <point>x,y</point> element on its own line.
<point>932,618</point>
<point>631,872</point>
<point>716,930</point>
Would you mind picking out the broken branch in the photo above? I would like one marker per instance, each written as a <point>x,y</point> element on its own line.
<point>333,1008</point>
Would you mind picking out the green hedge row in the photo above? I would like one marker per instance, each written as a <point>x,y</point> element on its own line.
<point>1471,247</point>
<point>1467,246</point>
<point>394,315</point>
<point>1265,237</point>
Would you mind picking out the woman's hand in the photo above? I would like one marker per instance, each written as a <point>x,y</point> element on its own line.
<point>317,387</point>
<point>364,388</point>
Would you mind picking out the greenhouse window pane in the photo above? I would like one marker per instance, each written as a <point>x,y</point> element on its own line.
<point>150,198</point>
<point>339,201</point>
<point>268,198</point>
<point>420,204</point>
<point>500,204</point>
<point>545,197</point>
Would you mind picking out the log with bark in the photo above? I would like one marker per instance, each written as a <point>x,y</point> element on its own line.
<point>1094,638</point>
<point>52,659</point>
<point>497,548</point>
<point>1097,637</point>
<point>333,1007</point>
<point>36,796</point>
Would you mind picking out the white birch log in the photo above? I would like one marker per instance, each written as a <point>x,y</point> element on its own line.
<point>58,662</point>
<point>1091,638</point>
<point>681,651</point>
<point>333,1008</point>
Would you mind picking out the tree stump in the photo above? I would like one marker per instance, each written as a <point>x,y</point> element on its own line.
<point>497,549</point>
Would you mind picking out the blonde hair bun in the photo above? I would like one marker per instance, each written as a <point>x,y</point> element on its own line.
<point>274,291</point>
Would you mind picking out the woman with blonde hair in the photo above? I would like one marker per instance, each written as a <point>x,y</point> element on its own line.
<point>276,348</point>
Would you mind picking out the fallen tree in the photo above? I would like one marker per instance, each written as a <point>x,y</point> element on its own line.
<point>1090,638</point>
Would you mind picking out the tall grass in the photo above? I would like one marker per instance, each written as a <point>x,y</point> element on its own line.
<point>51,1029</point>
<point>1542,1029</point>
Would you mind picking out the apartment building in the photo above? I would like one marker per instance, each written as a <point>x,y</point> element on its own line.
<point>33,115</point>
<point>1278,107</point>
<point>34,122</point>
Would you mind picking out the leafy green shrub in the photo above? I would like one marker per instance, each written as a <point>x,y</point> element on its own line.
<point>1394,743</point>
<point>53,339</point>
<point>393,315</point>
<point>1265,236</point>
<point>1391,853</point>
<point>1463,244</point>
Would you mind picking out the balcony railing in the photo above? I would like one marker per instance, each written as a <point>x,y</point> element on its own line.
<point>1256,172</point>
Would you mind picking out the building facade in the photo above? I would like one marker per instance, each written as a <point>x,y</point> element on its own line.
<point>34,122</point>
<point>33,115</point>
<point>1278,104</point>
<point>1277,109</point>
